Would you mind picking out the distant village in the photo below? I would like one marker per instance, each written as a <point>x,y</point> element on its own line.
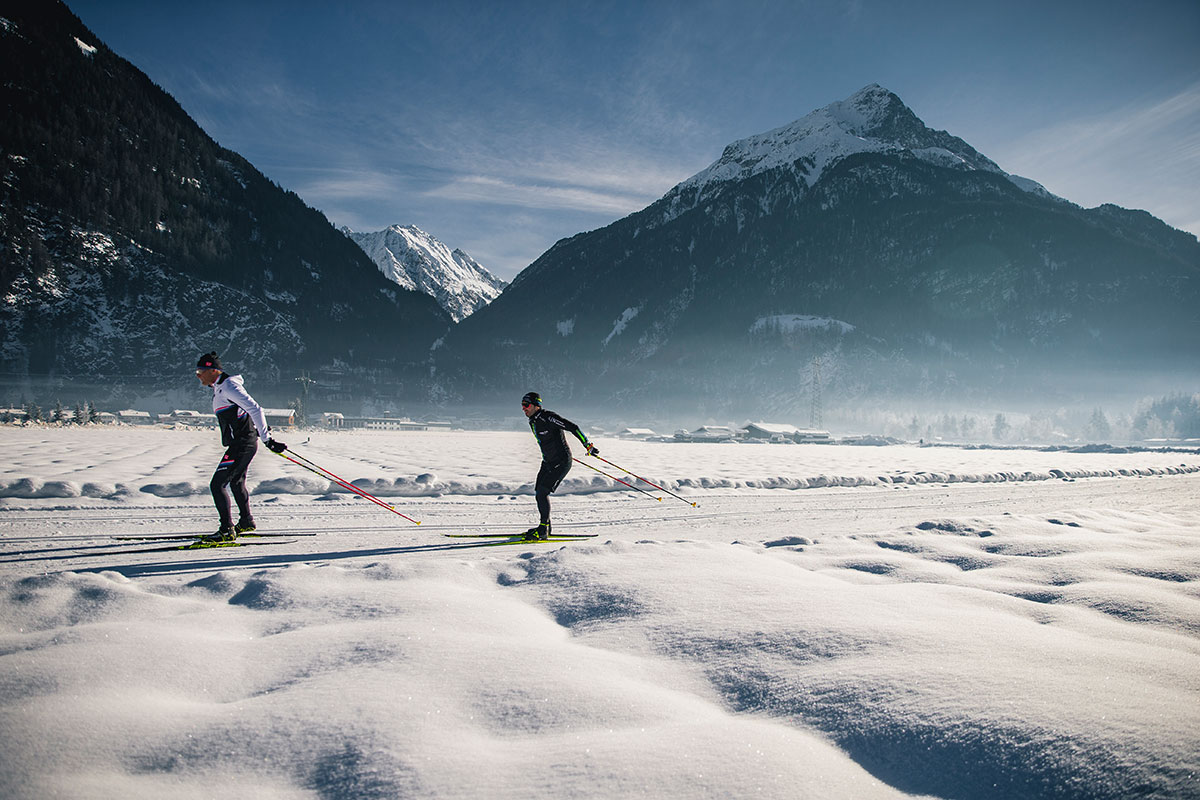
<point>285,418</point>
<point>1171,422</point>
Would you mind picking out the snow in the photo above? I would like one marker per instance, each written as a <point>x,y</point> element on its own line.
<point>828,622</point>
<point>619,325</point>
<point>791,323</point>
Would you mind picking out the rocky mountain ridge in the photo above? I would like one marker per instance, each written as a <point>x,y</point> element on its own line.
<point>420,262</point>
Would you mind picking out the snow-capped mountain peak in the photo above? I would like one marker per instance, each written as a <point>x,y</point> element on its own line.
<point>419,261</point>
<point>872,120</point>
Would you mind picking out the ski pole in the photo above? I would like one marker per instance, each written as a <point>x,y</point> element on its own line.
<point>324,473</point>
<point>317,469</point>
<point>615,478</point>
<point>350,487</point>
<point>643,480</point>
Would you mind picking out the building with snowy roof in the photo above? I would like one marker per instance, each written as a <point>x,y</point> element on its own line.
<point>708,433</point>
<point>280,417</point>
<point>774,432</point>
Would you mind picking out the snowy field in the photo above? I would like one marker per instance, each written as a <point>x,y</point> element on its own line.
<point>826,622</point>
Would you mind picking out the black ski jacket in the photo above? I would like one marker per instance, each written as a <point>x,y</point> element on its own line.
<point>549,430</point>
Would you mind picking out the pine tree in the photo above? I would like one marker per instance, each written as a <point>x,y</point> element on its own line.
<point>1098,427</point>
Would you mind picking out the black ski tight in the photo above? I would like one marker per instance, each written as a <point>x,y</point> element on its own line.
<point>548,479</point>
<point>231,472</point>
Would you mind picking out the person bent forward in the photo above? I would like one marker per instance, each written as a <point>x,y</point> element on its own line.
<point>240,419</point>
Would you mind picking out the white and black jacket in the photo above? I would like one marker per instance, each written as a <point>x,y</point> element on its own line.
<point>239,416</point>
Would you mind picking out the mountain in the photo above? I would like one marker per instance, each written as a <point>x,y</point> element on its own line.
<point>130,242</point>
<point>904,262</point>
<point>872,120</point>
<point>419,262</point>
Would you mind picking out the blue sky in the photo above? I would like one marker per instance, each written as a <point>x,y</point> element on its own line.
<point>503,126</point>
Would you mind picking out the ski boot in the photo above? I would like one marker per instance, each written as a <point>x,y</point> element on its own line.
<point>225,533</point>
<point>244,526</point>
<point>540,533</point>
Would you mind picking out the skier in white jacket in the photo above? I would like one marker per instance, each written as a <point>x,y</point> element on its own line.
<point>242,423</point>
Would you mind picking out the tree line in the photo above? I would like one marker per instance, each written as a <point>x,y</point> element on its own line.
<point>82,414</point>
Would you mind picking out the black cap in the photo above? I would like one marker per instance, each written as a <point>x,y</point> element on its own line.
<point>209,361</point>
<point>532,399</point>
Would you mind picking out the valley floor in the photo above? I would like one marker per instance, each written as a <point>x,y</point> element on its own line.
<point>824,622</point>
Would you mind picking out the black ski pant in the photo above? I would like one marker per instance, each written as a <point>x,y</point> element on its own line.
<point>231,473</point>
<point>549,477</point>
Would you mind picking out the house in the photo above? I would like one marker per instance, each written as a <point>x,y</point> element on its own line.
<point>769,431</point>
<point>131,417</point>
<point>191,419</point>
<point>280,417</point>
<point>776,432</point>
<point>708,433</point>
<point>333,419</point>
<point>635,433</point>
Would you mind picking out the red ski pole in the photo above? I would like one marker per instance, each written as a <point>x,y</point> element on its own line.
<point>317,469</point>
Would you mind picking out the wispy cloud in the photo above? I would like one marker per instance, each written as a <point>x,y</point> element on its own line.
<point>333,184</point>
<point>1144,155</point>
<point>486,189</point>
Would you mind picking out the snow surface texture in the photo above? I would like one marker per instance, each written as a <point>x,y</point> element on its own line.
<point>920,622</point>
<point>418,261</point>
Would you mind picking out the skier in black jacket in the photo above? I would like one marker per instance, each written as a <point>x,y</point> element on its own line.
<point>549,430</point>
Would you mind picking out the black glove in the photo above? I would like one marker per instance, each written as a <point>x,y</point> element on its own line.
<point>276,447</point>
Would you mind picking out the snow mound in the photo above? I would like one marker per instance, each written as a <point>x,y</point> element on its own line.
<point>34,488</point>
